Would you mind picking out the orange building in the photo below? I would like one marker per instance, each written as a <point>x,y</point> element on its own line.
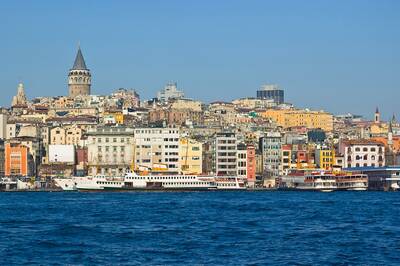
<point>17,161</point>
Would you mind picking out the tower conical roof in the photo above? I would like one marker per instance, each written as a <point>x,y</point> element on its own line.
<point>79,63</point>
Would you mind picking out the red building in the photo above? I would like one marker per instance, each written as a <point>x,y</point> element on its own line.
<point>251,162</point>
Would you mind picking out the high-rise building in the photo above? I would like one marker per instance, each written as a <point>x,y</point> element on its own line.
<point>271,92</point>
<point>271,147</point>
<point>157,148</point>
<point>246,161</point>
<point>225,154</point>
<point>79,77</point>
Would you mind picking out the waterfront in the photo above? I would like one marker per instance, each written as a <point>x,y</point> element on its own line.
<point>200,228</point>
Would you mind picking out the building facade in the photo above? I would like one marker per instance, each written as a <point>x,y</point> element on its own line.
<point>18,160</point>
<point>300,118</point>
<point>110,150</point>
<point>225,154</point>
<point>325,158</point>
<point>157,148</point>
<point>364,153</point>
<point>170,91</point>
<point>190,156</point>
<point>271,147</point>
<point>271,92</point>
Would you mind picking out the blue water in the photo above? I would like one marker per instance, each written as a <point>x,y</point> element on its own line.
<point>231,228</point>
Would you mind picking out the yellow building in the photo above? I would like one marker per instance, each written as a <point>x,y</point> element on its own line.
<point>116,117</point>
<point>325,158</point>
<point>190,156</point>
<point>119,118</point>
<point>379,129</point>
<point>306,118</point>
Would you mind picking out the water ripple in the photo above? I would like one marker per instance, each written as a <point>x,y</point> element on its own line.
<point>232,228</point>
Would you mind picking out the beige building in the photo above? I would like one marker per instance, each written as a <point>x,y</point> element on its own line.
<point>254,103</point>
<point>157,148</point>
<point>66,135</point>
<point>110,150</point>
<point>189,104</point>
<point>57,136</point>
<point>73,135</point>
<point>190,156</point>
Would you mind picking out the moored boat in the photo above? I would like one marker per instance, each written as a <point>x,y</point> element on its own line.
<point>352,182</point>
<point>230,183</point>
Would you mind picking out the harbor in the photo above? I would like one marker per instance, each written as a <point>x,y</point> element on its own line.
<point>360,179</point>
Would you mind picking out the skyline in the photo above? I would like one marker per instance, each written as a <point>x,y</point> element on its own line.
<point>322,55</point>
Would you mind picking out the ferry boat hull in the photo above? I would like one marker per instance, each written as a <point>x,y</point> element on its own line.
<point>159,182</point>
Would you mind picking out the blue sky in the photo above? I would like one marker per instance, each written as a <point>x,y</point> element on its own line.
<point>340,56</point>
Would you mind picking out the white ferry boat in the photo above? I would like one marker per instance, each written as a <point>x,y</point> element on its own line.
<point>308,181</point>
<point>132,181</point>
<point>352,182</point>
<point>168,182</point>
<point>230,183</point>
<point>151,181</point>
<point>99,182</point>
<point>67,184</point>
<point>320,182</point>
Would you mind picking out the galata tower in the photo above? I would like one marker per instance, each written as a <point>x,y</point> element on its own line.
<point>79,77</point>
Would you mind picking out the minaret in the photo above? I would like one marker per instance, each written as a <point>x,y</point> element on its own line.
<point>394,122</point>
<point>377,116</point>
<point>79,77</point>
<point>390,136</point>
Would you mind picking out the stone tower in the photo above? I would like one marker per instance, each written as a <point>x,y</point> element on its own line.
<point>20,98</point>
<point>79,77</point>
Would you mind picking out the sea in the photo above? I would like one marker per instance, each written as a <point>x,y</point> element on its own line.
<point>200,228</point>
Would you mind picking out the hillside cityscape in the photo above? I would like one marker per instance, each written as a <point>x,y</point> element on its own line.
<point>260,139</point>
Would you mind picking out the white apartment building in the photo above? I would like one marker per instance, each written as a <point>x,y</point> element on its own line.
<point>271,146</point>
<point>225,154</point>
<point>157,148</point>
<point>242,160</point>
<point>364,153</point>
<point>110,150</point>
